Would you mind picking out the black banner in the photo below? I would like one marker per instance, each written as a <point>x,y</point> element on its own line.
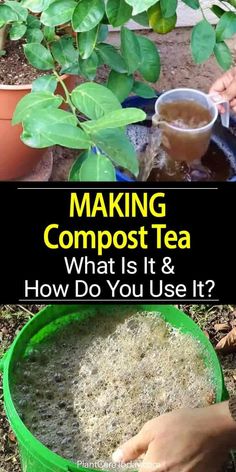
<point>105,242</point>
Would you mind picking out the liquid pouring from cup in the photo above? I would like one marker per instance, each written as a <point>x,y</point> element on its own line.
<point>186,118</point>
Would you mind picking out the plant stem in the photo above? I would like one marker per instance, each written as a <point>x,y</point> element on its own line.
<point>3,36</point>
<point>203,13</point>
<point>76,39</point>
<point>67,94</point>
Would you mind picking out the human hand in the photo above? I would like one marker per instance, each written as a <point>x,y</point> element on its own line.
<point>226,87</point>
<point>187,440</point>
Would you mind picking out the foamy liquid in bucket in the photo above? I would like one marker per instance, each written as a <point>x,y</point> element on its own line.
<point>92,385</point>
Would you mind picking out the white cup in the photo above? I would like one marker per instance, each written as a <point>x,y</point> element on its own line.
<point>189,144</point>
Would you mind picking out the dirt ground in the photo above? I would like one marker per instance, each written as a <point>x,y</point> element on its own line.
<point>12,319</point>
<point>178,70</point>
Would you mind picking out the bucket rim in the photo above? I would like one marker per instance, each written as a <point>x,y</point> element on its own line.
<point>24,435</point>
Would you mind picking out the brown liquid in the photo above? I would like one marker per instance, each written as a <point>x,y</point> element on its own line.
<point>215,166</point>
<point>91,385</point>
<point>185,115</point>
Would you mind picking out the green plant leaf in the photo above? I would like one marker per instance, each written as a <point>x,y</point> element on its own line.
<point>115,119</point>
<point>103,33</point>
<point>75,168</point>
<point>37,101</point>
<point>57,127</point>
<point>66,55</point>
<point>115,144</point>
<point>87,15</point>
<point>96,168</point>
<point>87,42</point>
<point>111,57</point>
<point>141,19</point>
<point>218,11</point>
<point>94,100</point>
<point>44,118</point>
<point>168,7</point>
<point>46,83</point>
<point>64,52</point>
<point>33,22</point>
<point>34,35</point>
<point>226,27</point>
<point>203,41</point>
<point>192,4</point>
<point>17,31</point>
<point>49,33</point>
<point>232,2</point>
<point>223,55</point>
<point>118,12</point>
<point>72,69</point>
<point>157,21</point>
<point>36,6</point>
<point>20,11</point>
<point>143,90</point>
<point>140,6</point>
<point>7,14</point>
<point>58,134</point>
<point>165,25</point>
<point>130,50</point>
<point>88,67</point>
<point>58,13</point>
<point>150,66</point>
<point>120,84</point>
<point>39,56</point>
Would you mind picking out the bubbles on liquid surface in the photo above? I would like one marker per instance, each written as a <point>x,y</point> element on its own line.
<point>104,378</point>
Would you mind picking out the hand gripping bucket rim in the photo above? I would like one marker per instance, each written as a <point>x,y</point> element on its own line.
<point>35,457</point>
<point>213,100</point>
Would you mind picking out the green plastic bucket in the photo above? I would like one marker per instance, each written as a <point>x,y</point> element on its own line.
<point>35,457</point>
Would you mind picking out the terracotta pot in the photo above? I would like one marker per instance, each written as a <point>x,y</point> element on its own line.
<point>17,159</point>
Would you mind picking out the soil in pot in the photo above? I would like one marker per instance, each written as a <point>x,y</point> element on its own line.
<point>92,385</point>
<point>14,69</point>
<point>16,159</point>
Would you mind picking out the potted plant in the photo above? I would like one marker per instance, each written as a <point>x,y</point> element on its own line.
<point>18,26</point>
<point>75,41</point>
